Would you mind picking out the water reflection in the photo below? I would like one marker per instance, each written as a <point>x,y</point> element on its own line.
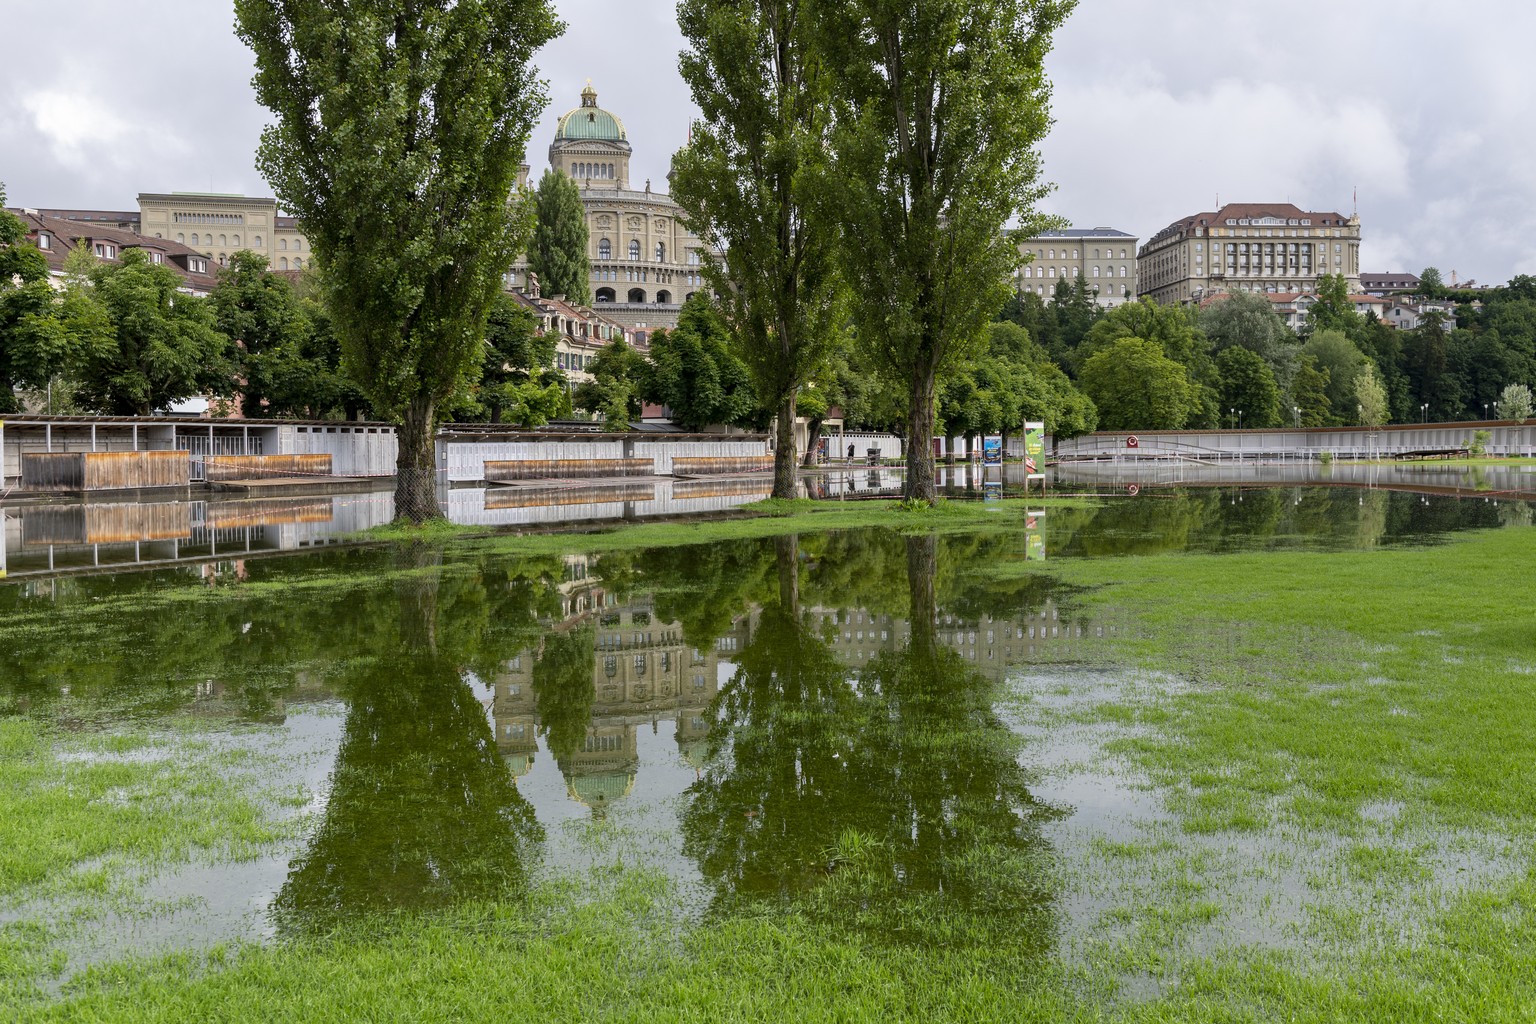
<point>891,796</point>
<point>808,722</point>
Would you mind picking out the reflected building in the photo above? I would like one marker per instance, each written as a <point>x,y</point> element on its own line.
<point>991,644</point>
<point>642,673</point>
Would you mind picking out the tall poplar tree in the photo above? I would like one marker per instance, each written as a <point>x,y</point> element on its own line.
<point>559,250</point>
<point>940,107</point>
<point>753,184</point>
<point>399,131</point>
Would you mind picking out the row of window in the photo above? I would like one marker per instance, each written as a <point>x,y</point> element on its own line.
<point>605,250</point>
<point>1050,254</point>
<point>208,218</point>
<point>1052,272</point>
<point>605,172</point>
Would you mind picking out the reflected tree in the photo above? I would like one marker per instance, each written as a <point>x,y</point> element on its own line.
<point>563,691</point>
<point>422,812</point>
<point>888,800</point>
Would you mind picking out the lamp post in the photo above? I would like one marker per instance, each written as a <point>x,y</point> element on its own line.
<point>1485,410</point>
<point>1424,412</point>
<point>1239,419</point>
<point>1231,417</point>
<point>1297,410</point>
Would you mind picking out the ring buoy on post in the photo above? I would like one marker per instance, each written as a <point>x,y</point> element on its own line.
<point>1133,441</point>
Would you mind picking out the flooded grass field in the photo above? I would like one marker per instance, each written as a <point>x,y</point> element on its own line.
<point>1222,753</point>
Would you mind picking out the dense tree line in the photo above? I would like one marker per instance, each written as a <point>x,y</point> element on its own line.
<point>122,338</point>
<point>1236,362</point>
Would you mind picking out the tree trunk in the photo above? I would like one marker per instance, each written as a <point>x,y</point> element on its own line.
<point>919,482</point>
<point>922,571</point>
<point>812,438</point>
<point>787,556</point>
<point>416,466</point>
<point>785,464</point>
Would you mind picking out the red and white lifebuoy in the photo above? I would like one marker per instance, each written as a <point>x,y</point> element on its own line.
<point>1133,490</point>
<point>1133,441</point>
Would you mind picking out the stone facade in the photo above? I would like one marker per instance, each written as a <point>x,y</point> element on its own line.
<point>645,261</point>
<point>1257,247</point>
<point>1104,258</point>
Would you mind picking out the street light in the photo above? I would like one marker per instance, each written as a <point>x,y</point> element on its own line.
<point>1297,410</point>
<point>1485,410</point>
<point>1231,416</point>
<point>1239,419</point>
<point>1424,412</point>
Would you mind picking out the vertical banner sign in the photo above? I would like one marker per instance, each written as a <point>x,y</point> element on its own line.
<point>1034,446</point>
<point>1034,537</point>
<point>992,450</point>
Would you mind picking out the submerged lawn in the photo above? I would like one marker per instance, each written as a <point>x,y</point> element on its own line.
<point>1342,741</point>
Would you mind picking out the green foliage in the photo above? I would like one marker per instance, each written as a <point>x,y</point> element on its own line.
<point>558,254</point>
<point>1248,384</point>
<point>1479,445</point>
<point>1431,284</point>
<point>1371,398</point>
<point>1332,311</point>
<point>614,390</point>
<point>517,382</point>
<point>1248,320</point>
<point>1174,329</point>
<point>398,135</point>
<point>563,689</point>
<point>43,332</point>
<point>694,371</point>
<point>162,347</point>
<point>939,108</point>
<point>754,184</point>
<point>1135,386</point>
<point>286,356</point>
<point>1309,393</point>
<point>1515,402</point>
<point>1336,354</point>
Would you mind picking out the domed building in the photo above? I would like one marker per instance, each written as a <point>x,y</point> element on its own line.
<point>645,262</point>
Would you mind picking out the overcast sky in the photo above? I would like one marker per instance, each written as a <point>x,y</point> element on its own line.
<point>1160,108</point>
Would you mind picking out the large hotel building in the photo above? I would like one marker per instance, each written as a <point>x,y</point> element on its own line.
<point>1257,247</point>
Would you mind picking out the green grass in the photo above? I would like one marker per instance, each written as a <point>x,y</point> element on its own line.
<point>85,819</point>
<point>1278,698</point>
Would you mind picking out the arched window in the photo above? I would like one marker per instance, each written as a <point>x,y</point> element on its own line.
<point>604,249</point>
<point>634,249</point>
<point>282,243</point>
<point>1074,271</point>
<point>1053,271</point>
<point>661,252</point>
<point>282,264</point>
<point>1095,254</point>
<point>237,239</point>
<point>1122,271</point>
<point>689,296</point>
<point>194,238</point>
<point>605,295</point>
<point>637,295</point>
<point>1074,254</point>
<point>223,240</point>
<point>182,238</point>
<point>663,296</point>
<point>1029,271</point>
<point>1053,254</point>
<point>1095,271</point>
<point>258,241</point>
<point>223,259</point>
<point>298,243</point>
<point>298,264</point>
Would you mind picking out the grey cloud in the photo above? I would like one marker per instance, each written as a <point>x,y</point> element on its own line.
<point>1159,107</point>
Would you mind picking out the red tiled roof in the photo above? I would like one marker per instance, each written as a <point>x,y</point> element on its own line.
<point>66,233</point>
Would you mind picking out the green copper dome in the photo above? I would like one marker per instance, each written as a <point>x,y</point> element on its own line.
<point>589,121</point>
